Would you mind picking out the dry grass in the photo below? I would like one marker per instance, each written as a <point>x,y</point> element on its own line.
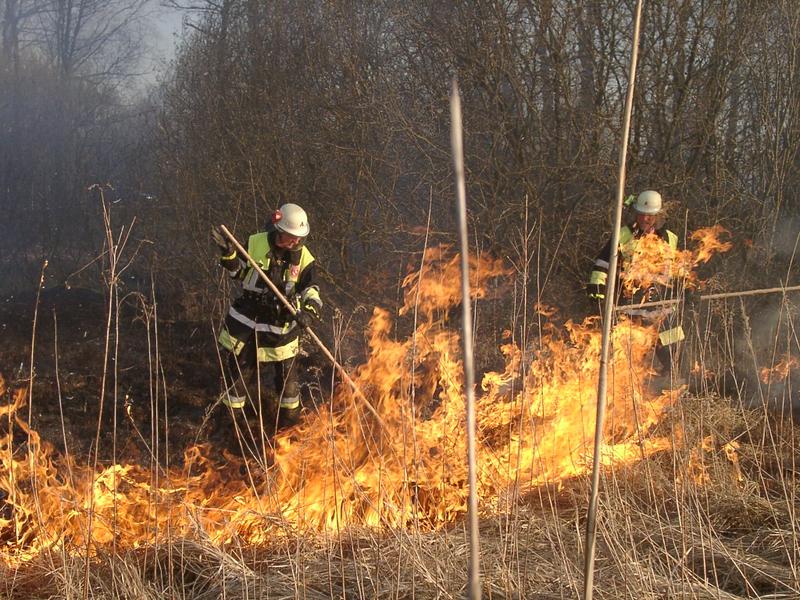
<point>714,518</point>
<point>661,535</point>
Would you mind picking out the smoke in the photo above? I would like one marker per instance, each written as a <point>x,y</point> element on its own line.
<point>785,238</point>
<point>763,345</point>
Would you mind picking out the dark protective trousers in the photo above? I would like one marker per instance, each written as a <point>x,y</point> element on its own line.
<point>277,381</point>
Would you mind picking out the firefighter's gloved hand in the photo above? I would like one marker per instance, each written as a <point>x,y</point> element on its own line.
<point>312,309</point>
<point>304,319</point>
<point>225,246</point>
<point>596,291</point>
<point>307,315</point>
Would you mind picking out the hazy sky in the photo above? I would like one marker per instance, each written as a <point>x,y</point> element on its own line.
<point>166,26</point>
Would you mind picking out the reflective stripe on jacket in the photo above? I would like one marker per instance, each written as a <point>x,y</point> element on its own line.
<point>258,311</point>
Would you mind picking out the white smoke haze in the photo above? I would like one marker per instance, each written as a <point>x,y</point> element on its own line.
<point>764,343</point>
<point>785,237</point>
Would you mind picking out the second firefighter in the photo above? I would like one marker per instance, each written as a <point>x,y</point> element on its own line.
<point>646,221</point>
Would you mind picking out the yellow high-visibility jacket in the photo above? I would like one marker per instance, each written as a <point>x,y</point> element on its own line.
<point>628,237</point>
<point>258,309</point>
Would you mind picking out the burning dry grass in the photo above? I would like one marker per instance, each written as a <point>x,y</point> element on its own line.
<point>699,500</point>
<point>699,521</point>
<point>339,468</point>
<point>661,535</point>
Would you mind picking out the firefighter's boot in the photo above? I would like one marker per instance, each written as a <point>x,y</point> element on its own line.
<point>288,417</point>
<point>232,398</point>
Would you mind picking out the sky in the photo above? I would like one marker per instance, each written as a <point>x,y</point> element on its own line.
<point>167,26</point>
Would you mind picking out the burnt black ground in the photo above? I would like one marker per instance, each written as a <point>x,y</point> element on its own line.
<point>166,375</point>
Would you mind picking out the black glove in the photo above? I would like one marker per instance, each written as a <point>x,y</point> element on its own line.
<point>303,318</point>
<point>307,315</point>
<point>225,246</point>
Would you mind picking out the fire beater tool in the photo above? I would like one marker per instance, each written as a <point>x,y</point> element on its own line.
<point>671,301</point>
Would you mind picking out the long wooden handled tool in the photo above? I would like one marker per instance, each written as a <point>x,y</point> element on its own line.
<point>774,290</point>
<point>358,393</point>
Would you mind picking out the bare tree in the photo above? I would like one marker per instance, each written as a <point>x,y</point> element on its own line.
<point>73,130</point>
<point>98,38</point>
<point>339,106</point>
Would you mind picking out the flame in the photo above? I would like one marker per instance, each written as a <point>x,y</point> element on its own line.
<point>702,370</point>
<point>536,425</point>
<point>441,290</point>
<point>654,263</point>
<point>780,371</point>
<point>699,457</point>
<point>709,243</point>
<point>696,467</point>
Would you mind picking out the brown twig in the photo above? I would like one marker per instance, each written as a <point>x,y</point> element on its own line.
<point>591,517</point>
<point>456,140</point>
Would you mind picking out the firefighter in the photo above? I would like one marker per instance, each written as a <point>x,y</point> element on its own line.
<point>260,335</point>
<point>647,220</point>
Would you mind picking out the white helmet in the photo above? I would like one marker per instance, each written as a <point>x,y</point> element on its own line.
<point>291,219</point>
<point>648,203</point>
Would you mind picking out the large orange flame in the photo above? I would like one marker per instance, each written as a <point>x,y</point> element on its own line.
<point>536,421</point>
<point>654,263</point>
<point>709,242</point>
